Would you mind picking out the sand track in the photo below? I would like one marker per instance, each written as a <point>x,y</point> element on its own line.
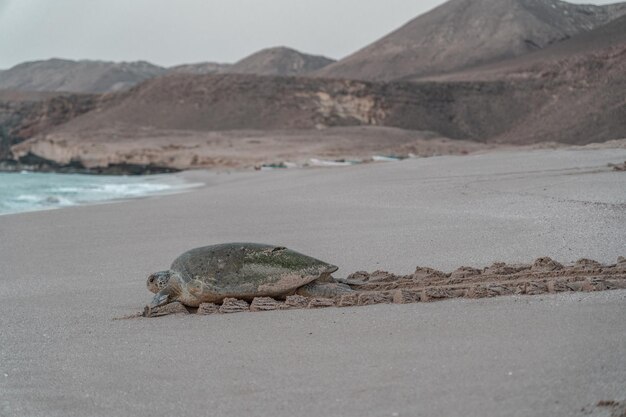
<point>426,285</point>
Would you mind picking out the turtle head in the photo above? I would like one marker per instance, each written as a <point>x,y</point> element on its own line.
<point>159,280</point>
<point>168,287</point>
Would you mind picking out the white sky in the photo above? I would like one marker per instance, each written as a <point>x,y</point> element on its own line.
<point>170,32</point>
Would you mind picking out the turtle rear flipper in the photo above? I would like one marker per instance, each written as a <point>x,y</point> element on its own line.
<point>325,276</point>
<point>351,282</point>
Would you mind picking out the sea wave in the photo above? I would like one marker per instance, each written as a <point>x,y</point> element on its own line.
<point>20,192</point>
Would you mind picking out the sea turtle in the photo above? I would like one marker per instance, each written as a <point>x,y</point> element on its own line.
<point>241,270</point>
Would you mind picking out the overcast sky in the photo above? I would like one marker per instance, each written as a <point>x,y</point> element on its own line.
<point>170,32</point>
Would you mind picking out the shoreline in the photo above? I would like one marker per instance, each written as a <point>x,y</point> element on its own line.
<point>212,185</point>
<point>198,178</point>
<point>192,179</point>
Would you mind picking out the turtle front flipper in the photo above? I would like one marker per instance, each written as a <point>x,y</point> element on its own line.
<point>324,290</point>
<point>161,298</point>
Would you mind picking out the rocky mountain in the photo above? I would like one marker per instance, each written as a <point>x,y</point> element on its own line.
<point>569,92</point>
<point>585,75</point>
<point>270,61</point>
<point>182,120</point>
<point>200,68</point>
<point>61,75</point>
<point>463,33</point>
<point>596,49</point>
<point>279,61</point>
<point>77,76</point>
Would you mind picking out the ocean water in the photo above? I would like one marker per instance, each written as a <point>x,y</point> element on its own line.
<point>26,191</point>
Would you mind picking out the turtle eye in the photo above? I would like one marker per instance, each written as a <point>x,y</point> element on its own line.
<point>151,278</point>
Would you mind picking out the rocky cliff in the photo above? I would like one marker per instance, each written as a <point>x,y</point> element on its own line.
<point>23,116</point>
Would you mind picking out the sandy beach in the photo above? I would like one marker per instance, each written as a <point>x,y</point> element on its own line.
<point>66,274</point>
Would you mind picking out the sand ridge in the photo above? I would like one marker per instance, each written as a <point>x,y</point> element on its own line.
<point>544,276</point>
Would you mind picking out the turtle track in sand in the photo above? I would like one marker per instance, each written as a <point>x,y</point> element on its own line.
<point>544,276</point>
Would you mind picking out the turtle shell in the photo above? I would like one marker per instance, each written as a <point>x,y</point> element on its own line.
<point>248,270</point>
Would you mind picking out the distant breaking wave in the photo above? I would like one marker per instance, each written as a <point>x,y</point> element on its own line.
<point>21,192</point>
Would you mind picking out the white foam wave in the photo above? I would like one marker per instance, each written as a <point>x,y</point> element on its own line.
<point>20,193</point>
<point>26,202</point>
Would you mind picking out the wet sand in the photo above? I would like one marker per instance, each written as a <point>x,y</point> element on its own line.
<point>67,273</point>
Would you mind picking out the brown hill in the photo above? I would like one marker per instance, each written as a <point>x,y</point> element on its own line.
<point>552,61</point>
<point>472,110</point>
<point>586,77</point>
<point>76,76</point>
<point>464,33</point>
<point>279,61</point>
<point>176,112</point>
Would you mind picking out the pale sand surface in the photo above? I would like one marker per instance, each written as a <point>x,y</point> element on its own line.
<point>66,273</point>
